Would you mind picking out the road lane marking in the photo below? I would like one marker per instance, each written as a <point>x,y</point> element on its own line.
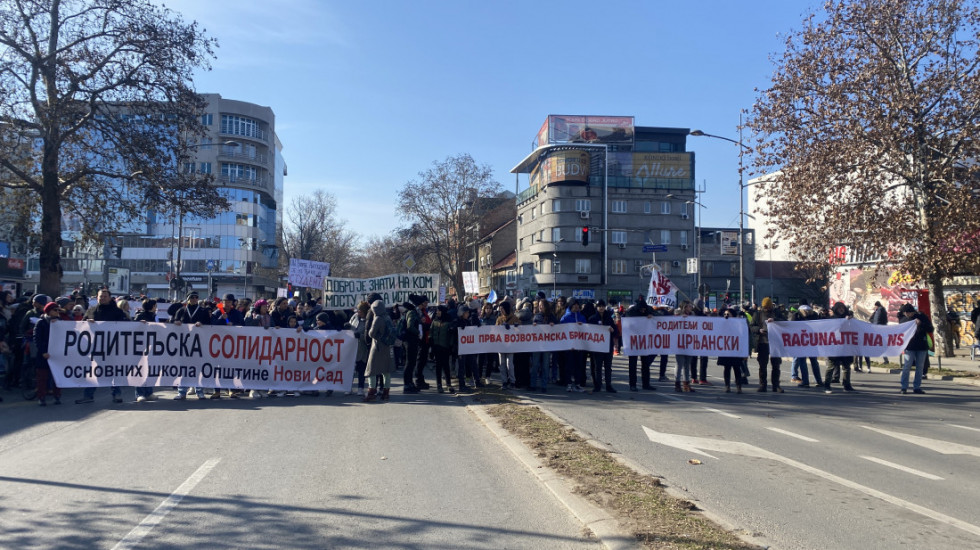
<point>156,516</point>
<point>723,413</point>
<point>938,445</point>
<point>965,427</point>
<point>668,396</point>
<point>906,469</point>
<point>791,434</point>
<point>697,445</point>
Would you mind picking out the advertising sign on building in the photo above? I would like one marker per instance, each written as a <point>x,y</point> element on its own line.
<point>658,166</point>
<point>729,243</point>
<point>590,129</point>
<point>561,166</point>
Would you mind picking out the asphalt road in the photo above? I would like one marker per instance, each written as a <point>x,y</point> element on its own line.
<point>872,469</point>
<point>324,472</point>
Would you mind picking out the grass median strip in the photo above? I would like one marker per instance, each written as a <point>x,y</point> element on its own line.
<point>639,502</point>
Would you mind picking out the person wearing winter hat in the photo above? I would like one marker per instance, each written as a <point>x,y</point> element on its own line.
<point>573,374</point>
<point>442,346</point>
<point>42,371</point>
<point>466,366</point>
<point>839,368</point>
<point>381,331</point>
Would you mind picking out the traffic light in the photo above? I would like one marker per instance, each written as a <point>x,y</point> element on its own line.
<point>585,236</point>
<point>214,287</point>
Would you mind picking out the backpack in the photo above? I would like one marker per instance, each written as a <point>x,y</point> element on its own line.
<point>401,329</point>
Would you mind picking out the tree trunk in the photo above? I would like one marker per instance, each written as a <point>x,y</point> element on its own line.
<point>937,303</point>
<point>50,249</point>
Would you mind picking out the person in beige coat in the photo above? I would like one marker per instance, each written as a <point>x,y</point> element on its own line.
<point>381,331</point>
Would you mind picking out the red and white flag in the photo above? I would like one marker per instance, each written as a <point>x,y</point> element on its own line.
<point>662,292</point>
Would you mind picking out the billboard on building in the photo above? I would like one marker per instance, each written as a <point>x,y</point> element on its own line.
<point>729,243</point>
<point>586,129</point>
<point>562,166</point>
<point>658,166</point>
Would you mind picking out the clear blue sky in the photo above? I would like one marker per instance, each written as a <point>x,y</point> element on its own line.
<point>369,93</point>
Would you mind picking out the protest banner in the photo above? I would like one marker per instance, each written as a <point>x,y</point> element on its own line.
<point>661,292</point>
<point>837,338</point>
<point>685,335</point>
<point>307,273</point>
<point>103,353</point>
<point>394,289</point>
<point>531,338</point>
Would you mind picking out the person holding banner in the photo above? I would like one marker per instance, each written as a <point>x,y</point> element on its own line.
<point>839,367</point>
<point>146,314</point>
<point>508,319</point>
<point>602,362</point>
<point>42,331</point>
<point>193,314</point>
<point>541,360</point>
<point>105,310</point>
<point>640,309</point>
<point>682,372</point>
<point>358,324</point>
<point>917,351</point>
<point>759,326</point>
<point>574,360</point>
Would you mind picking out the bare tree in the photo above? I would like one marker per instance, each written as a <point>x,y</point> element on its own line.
<point>314,232</point>
<point>99,95</point>
<point>871,121</point>
<point>443,205</point>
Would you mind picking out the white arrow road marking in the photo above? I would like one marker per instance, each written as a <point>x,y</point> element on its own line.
<point>965,427</point>
<point>156,516</point>
<point>791,434</point>
<point>943,447</point>
<point>902,468</point>
<point>696,444</point>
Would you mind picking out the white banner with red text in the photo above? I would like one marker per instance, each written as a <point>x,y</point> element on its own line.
<point>531,338</point>
<point>85,354</point>
<point>837,338</point>
<point>685,335</point>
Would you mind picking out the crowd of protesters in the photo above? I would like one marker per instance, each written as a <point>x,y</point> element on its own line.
<point>414,334</point>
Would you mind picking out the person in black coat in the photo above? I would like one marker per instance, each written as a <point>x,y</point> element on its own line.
<point>193,313</point>
<point>42,330</point>
<point>105,310</point>
<point>917,351</point>
<point>602,362</point>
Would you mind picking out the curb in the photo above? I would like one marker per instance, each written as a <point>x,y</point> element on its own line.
<point>679,494</point>
<point>604,526</point>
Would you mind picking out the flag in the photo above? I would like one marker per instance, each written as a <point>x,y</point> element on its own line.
<point>492,297</point>
<point>662,292</point>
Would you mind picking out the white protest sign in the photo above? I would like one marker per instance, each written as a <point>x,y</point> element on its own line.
<point>394,289</point>
<point>307,273</point>
<point>837,338</point>
<point>104,353</point>
<point>531,338</point>
<point>685,335</point>
<point>661,291</point>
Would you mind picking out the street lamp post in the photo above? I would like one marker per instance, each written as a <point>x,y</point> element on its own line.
<point>697,230</point>
<point>742,148</point>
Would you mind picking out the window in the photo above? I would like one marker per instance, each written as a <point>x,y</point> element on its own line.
<point>541,265</point>
<point>556,266</point>
<point>555,234</point>
<point>683,238</point>
<point>189,167</point>
<point>618,207</point>
<point>583,265</point>
<point>531,237</point>
<point>207,119</point>
<point>619,267</point>
<point>541,236</point>
<point>511,277</point>
<point>534,213</point>
<point>521,242</point>
<point>235,172</point>
<point>556,205</point>
<point>665,207</point>
<point>583,205</point>
<point>205,144</point>
<point>665,268</point>
<point>647,207</point>
<point>240,126</point>
<point>665,236</point>
<point>205,167</point>
<point>618,237</point>
<point>707,269</point>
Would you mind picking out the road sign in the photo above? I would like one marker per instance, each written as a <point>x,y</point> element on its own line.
<point>648,248</point>
<point>692,265</point>
<point>210,265</point>
<point>409,262</point>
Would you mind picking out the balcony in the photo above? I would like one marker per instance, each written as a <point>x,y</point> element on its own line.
<point>260,182</point>
<point>236,153</point>
<point>257,134</point>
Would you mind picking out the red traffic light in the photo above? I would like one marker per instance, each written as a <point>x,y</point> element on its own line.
<point>585,236</point>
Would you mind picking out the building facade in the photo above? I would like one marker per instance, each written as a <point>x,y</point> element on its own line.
<point>233,251</point>
<point>631,186</point>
